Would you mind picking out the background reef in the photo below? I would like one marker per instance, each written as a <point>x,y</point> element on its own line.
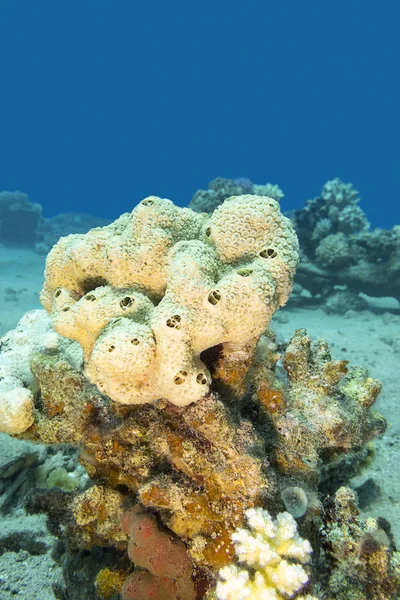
<point>341,254</point>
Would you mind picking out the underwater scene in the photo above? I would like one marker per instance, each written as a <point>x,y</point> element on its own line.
<point>199,301</point>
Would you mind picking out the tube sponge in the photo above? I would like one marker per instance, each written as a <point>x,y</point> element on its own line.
<point>146,295</point>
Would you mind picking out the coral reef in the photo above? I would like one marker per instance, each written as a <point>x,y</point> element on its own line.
<point>200,467</point>
<point>23,225</point>
<point>220,189</point>
<point>180,463</point>
<point>334,212</point>
<point>338,248</point>
<point>19,220</point>
<point>334,251</point>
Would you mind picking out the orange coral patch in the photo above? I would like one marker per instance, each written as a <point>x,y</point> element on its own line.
<point>272,400</point>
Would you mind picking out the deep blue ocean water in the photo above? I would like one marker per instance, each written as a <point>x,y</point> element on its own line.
<point>103,102</point>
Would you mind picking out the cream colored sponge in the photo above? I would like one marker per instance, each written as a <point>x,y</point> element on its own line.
<point>146,295</point>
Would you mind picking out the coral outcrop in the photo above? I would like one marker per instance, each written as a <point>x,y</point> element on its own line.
<point>338,248</point>
<point>337,245</point>
<point>250,443</point>
<point>157,363</point>
<point>23,225</point>
<point>148,294</point>
<point>321,411</point>
<point>197,465</point>
<point>19,219</point>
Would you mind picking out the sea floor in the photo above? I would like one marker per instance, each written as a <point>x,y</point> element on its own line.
<point>370,338</point>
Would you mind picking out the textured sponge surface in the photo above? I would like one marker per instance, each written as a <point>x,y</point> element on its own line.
<point>146,295</point>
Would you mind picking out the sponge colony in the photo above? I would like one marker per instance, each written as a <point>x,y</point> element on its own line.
<point>146,295</point>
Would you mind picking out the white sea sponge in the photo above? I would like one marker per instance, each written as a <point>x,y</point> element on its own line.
<point>34,333</point>
<point>178,283</point>
<point>272,554</point>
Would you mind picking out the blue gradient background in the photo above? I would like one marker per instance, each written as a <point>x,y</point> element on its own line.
<point>103,102</point>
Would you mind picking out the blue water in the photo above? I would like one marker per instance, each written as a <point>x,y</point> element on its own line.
<point>103,102</point>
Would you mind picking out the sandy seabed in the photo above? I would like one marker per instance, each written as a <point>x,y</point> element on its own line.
<point>370,338</point>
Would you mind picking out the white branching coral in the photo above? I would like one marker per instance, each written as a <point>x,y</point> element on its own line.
<point>272,554</point>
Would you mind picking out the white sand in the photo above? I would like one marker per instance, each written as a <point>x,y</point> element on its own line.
<point>366,338</point>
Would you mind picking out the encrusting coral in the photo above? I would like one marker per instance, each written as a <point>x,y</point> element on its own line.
<point>184,406</point>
